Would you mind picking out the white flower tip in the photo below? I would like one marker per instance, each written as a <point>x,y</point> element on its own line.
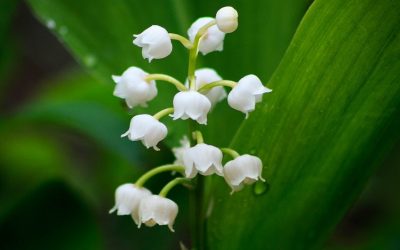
<point>262,179</point>
<point>115,78</point>
<point>156,148</point>
<point>246,115</point>
<point>112,210</point>
<point>227,19</point>
<point>125,134</point>
<point>171,228</point>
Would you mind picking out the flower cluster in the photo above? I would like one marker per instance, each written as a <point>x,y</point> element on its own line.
<point>196,97</point>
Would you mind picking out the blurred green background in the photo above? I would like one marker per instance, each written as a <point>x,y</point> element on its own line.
<point>61,155</point>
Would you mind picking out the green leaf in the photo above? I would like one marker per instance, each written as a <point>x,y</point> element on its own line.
<point>333,113</point>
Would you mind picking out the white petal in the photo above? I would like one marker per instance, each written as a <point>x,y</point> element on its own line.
<point>208,75</point>
<point>158,210</point>
<point>253,84</point>
<point>116,79</point>
<point>155,42</point>
<point>244,169</point>
<point>204,158</point>
<point>148,129</point>
<point>213,38</point>
<point>191,104</point>
<point>127,199</point>
<point>133,88</point>
<point>241,99</point>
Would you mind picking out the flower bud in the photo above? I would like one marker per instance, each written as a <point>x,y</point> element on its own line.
<point>213,39</point>
<point>227,19</point>
<point>245,169</point>
<point>179,151</point>
<point>246,94</point>
<point>127,199</point>
<point>132,87</point>
<point>203,158</point>
<point>155,42</point>
<point>159,210</point>
<point>191,104</point>
<point>147,129</point>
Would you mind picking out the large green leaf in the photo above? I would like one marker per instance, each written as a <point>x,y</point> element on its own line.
<point>333,113</point>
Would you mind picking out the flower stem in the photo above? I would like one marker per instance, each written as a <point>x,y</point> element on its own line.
<point>163,113</point>
<point>164,191</point>
<point>166,78</point>
<point>198,136</point>
<point>183,40</point>
<point>230,152</point>
<point>211,85</point>
<point>171,167</point>
<point>200,213</point>
<point>193,54</point>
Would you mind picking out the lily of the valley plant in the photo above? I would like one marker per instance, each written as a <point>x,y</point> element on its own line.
<point>204,88</point>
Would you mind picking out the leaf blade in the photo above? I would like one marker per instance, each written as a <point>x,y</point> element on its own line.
<point>335,103</point>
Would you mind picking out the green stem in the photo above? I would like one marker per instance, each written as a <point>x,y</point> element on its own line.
<point>162,77</point>
<point>183,40</point>
<point>200,213</point>
<point>230,152</point>
<point>211,85</point>
<point>163,113</point>
<point>196,196</point>
<point>164,191</point>
<point>198,136</point>
<point>171,167</point>
<point>193,54</point>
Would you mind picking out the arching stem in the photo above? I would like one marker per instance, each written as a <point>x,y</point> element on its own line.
<point>163,113</point>
<point>171,167</point>
<point>162,77</point>
<point>230,152</point>
<point>211,85</point>
<point>183,40</point>
<point>165,190</point>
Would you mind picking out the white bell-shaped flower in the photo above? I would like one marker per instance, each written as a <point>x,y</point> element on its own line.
<point>246,94</point>
<point>227,19</point>
<point>127,199</point>
<point>203,158</point>
<point>179,151</point>
<point>155,42</point>
<point>207,75</point>
<point>132,87</point>
<point>245,169</point>
<point>147,129</point>
<point>191,104</point>
<point>213,39</point>
<point>159,210</point>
